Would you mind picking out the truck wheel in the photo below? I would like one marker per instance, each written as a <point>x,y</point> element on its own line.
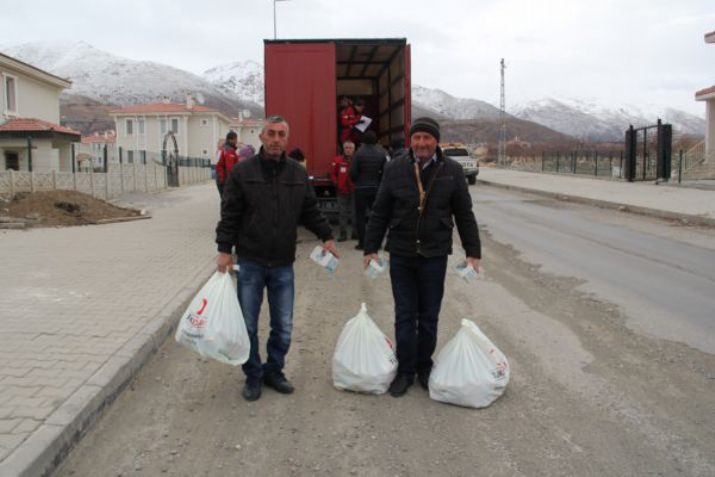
<point>472,180</point>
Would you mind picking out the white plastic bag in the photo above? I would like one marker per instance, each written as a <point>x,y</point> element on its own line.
<point>213,323</point>
<point>469,371</point>
<point>364,359</point>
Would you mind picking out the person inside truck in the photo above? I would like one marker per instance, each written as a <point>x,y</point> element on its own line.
<point>347,118</point>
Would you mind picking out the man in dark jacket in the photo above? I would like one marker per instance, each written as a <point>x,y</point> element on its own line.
<point>366,172</point>
<point>264,200</point>
<point>419,195</point>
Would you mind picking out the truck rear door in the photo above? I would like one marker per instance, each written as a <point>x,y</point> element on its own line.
<point>297,77</point>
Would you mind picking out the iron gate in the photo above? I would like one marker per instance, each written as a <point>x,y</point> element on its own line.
<point>648,152</point>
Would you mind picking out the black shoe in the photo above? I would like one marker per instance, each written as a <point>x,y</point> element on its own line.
<point>343,237</point>
<point>251,390</point>
<point>423,379</point>
<point>278,382</point>
<point>359,247</point>
<point>399,385</point>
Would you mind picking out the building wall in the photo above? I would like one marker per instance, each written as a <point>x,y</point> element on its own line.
<point>710,130</point>
<point>34,99</point>
<point>204,133</point>
<point>250,135</point>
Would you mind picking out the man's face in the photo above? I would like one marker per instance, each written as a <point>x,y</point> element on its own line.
<point>233,141</point>
<point>424,145</point>
<point>348,148</point>
<point>274,138</point>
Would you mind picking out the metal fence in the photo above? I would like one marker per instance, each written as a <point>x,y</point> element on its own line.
<point>593,163</point>
<point>686,165</point>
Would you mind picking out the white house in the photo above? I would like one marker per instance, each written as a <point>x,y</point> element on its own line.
<point>247,130</point>
<point>708,95</point>
<point>90,154</point>
<point>148,129</point>
<point>30,134</point>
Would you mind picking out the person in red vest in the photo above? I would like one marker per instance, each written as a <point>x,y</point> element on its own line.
<point>227,159</point>
<point>339,174</point>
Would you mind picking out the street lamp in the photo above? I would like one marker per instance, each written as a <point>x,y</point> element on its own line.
<point>275,32</point>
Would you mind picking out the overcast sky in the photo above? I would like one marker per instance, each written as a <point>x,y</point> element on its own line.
<point>640,52</point>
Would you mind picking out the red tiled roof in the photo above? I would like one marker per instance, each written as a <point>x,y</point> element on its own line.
<point>163,108</point>
<point>99,138</point>
<point>705,92</point>
<point>710,37</point>
<point>34,125</point>
<point>246,122</point>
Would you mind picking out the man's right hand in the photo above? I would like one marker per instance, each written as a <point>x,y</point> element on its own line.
<point>224,262</point>
<point>366,259</point>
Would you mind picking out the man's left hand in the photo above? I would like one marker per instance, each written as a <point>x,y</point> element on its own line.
<point>474,262</point>
<point>329,246</point>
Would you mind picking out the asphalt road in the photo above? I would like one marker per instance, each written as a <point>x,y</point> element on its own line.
<point>603,317</point>
<point>661,274</point>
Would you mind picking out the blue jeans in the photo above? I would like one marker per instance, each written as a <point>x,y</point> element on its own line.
<point>253,278</point>
<point>417,288</point>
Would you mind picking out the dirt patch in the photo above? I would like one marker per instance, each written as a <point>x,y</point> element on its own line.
<point>61,208</point>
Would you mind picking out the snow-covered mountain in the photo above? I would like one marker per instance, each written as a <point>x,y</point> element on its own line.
<point>241,78</point>
<point>112,79</point>
<point>451,107</point>
<point>591,121</point>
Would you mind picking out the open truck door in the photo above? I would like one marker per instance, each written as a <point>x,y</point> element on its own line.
<point>305,79</point>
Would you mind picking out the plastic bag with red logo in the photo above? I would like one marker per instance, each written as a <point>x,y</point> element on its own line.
<point>213,323</point>
<point>469,371</point>
<point>364,359</point>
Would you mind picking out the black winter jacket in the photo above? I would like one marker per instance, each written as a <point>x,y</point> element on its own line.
<point>263,203</point>
<point>367,166</point>
<point>429,233</point>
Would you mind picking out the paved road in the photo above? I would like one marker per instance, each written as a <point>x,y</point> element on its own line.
<point>589,395</point>
<point>662,275</point>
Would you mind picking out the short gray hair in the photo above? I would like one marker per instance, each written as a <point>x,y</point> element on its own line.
<point>275,119</point>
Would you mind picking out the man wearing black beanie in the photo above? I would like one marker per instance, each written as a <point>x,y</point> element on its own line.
<point>422,195</point>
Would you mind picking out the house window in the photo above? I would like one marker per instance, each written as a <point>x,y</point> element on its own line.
<point>162,126</point>
<point>130,127</point>
<point>12,161</point>
<point>175,125</point>
<point>140,125</point>
<point>130,157</point>
<point>10,98</point>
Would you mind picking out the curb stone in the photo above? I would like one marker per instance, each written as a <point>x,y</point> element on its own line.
<point>687,219</point>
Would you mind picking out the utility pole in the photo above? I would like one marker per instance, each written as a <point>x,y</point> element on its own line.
<point>275,22</point>
<point>502,119</point>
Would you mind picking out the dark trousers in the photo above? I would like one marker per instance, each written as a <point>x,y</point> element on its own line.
<point>417,288</point>
<point>279,281</point>
<point>364,197</point>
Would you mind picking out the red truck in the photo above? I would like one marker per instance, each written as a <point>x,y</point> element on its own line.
<point>305,79</point>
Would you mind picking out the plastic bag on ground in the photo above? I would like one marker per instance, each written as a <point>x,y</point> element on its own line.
<point>213,324</point>
<point>469,371</point>
<point>364,359</point>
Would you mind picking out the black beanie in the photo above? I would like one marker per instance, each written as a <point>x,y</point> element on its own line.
<point>427,125</point>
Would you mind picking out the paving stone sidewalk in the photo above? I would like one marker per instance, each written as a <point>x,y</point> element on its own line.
<point>696,206</point>
<point>82,308</point>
